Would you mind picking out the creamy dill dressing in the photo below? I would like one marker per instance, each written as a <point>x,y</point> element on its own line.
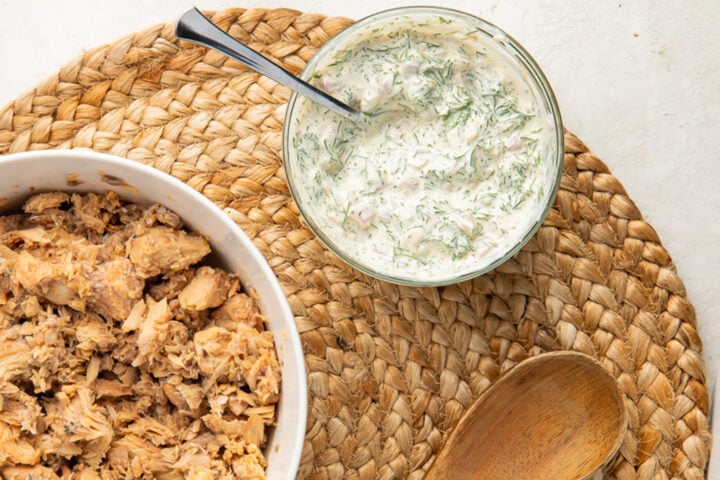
<point>449,168</point>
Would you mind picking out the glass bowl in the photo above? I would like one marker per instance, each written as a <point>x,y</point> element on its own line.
<point>467,247</point>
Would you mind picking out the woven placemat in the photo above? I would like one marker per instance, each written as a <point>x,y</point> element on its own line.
<point>390,368</point>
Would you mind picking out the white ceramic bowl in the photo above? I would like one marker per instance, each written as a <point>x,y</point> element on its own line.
<point>85,171</point>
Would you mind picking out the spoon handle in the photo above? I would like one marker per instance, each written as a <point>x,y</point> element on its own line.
<point>193,26</point>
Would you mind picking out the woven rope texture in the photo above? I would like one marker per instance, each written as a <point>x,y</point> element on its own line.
<point>391,369</point>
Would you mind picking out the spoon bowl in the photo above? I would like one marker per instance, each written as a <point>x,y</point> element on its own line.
<point>557,415</point>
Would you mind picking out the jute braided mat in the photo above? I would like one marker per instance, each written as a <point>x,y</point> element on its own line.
<point>391,369</point>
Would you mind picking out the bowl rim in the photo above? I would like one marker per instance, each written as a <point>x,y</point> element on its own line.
<point>290,335</point>
<point>507,42</point>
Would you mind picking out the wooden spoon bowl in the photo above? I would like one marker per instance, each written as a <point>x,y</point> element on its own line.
<point>557,415</point>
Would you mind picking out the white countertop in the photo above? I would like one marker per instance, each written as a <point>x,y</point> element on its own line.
<point>638,81</point>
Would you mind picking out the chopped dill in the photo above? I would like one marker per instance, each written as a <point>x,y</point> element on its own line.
<point>444,163</point>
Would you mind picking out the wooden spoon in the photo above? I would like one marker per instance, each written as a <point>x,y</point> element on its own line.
<point>557,415</point>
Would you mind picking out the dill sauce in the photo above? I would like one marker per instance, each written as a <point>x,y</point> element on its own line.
<point>449,168</point>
